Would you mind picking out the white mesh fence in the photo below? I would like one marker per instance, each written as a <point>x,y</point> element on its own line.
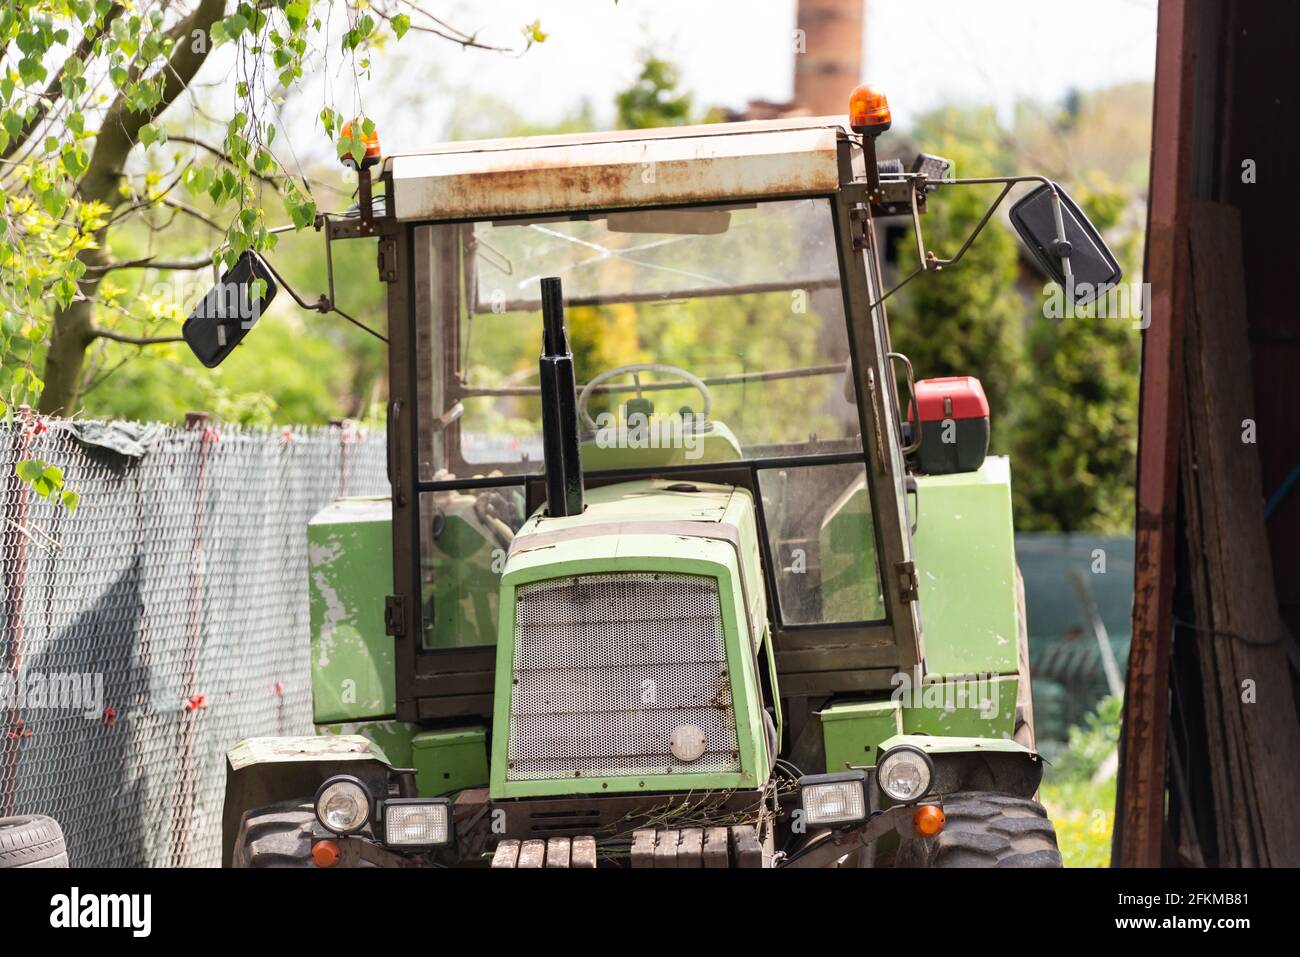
<point>157,625</point>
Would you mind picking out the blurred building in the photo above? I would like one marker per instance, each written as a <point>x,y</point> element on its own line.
<point>827,45</point>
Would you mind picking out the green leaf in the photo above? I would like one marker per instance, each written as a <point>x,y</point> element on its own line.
<point>55,202</point>
<point>401,23</point>
<point>235,24</point>
<point>30,470</point>
<point>75,160</point>
<point>152,133</point>
<point>295,12</point>
<point>198,179</point>
<point>71,500</point>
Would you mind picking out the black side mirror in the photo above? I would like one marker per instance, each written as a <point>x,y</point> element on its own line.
<point>1092,265</point>
<point>226,314</point>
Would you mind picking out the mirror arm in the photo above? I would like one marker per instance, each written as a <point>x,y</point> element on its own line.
<point>1062,249</point>
<point>325,303</point>
<point>928,260</point>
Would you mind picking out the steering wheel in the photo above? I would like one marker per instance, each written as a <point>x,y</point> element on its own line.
<point>693,380</point>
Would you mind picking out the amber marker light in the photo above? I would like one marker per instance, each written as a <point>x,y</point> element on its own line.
<point>371,142</point>
<point>928,820</point>
<point>869,110</point>
<point>325,853</point>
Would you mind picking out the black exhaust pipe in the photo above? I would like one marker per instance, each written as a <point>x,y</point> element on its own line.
<point>560,445</point>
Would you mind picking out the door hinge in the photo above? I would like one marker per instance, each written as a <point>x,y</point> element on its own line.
<point>388,260</point>
<point>858,231</point>
<point>908,584</point>
<point>395,616</point>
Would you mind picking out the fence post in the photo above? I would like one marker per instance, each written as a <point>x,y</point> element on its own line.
<point>343,425</point>
<point>14,560</point>
<point>185,784</point>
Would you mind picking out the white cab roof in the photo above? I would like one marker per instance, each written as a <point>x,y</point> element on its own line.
<point>482,179</point>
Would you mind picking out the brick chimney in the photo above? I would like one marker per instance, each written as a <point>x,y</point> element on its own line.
<point>830,64</point>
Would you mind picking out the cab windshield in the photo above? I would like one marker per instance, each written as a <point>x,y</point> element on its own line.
<point>728,321</point>
<point>701,336</point>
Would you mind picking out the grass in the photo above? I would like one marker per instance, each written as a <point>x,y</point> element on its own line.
<point>1083,810</point>
<point>1084,815</point>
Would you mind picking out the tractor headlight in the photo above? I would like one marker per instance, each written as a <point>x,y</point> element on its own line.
<point>343,804</point>
<point>905,774</point>
<point>834,798</point>
<point>417,822</point>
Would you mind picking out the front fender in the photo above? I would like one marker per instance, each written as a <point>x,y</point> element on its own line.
<point>263,771</point>
<point>1001,765</point>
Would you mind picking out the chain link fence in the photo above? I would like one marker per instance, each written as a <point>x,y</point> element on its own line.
<point>158,624</point>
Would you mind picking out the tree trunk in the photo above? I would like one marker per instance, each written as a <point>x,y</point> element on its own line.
<point>71,334</point>
<point>73,329</point>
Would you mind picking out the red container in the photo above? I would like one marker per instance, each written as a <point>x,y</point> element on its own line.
<point>953,416</point>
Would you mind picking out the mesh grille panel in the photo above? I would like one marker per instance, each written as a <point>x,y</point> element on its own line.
<point>606,667</point>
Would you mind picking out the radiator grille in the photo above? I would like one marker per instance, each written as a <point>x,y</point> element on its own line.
<point>606,667</point>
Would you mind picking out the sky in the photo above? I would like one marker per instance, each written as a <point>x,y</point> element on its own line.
<point>730,51</point>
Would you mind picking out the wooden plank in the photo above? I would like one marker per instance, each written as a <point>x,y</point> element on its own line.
<point>532,854</point>
<point>584,852</point>
<point>1261,739</point>
<point>557,852</point>
<point>715,847</point>
<point>745,847</point>
<point>1140,806</point>
<point>643,848</point>
<point>690,847</point>
<point>506,855</point>
<point>666,849</point>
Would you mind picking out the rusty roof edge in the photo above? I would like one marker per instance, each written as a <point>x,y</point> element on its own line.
<point>790,125</point>
<point>764,160</point>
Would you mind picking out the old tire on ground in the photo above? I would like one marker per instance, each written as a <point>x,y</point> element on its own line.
<point>986,830</point>
<point>35,841</point>
<point>278,835</point>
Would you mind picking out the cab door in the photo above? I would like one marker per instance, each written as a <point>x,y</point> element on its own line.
<point>880,414</point>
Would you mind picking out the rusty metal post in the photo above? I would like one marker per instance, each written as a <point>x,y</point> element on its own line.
<point>345,428</point>
<point>1140,800</point>
<point>192,701</point>
<point>13,558</point>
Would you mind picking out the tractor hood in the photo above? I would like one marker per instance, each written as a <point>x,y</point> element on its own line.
<point>652,520</point>
<point>624,629</point>
<point>653,500</point>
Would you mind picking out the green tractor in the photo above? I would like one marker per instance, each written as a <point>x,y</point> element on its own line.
<point>695,589</point>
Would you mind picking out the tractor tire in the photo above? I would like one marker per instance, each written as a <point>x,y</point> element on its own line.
<point>278,835</point>
<point>35,841</point>
<point>986,830</point>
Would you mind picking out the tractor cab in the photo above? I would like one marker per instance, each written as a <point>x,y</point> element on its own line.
<point>676,577</point>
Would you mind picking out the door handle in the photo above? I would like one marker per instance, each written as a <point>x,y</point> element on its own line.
<point>915,444</point>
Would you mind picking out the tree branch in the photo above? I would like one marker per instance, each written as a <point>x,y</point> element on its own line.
<point>191,211</point>
<point>445,30</point>
<point>54,89</point>
<point>121,127</point>
<point>149,262</point>
<point>98,333</point>
<point>224,157</point>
